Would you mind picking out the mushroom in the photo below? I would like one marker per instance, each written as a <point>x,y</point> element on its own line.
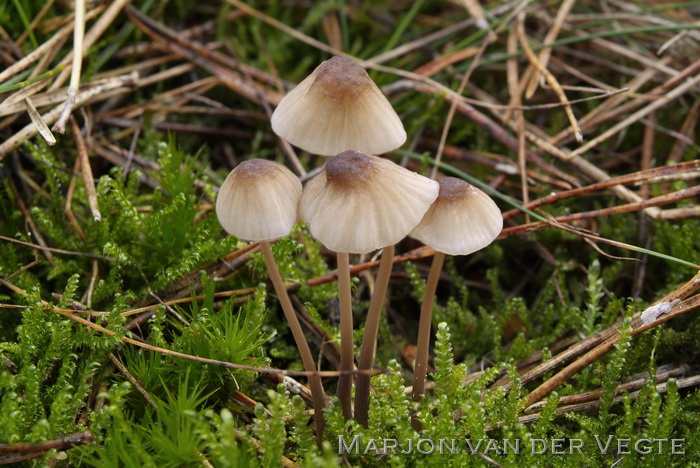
<point>360,203</point>
<point>336,108</point>
<point>258,202</point>
<point>357,204</point>
<point>462,220</point>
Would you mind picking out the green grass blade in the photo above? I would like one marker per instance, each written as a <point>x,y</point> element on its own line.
<point>36,79</point>
<point>25,21</point>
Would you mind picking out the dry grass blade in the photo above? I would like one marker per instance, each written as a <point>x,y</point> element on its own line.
<point>415,254</point>
<point>637,206</point>
<point>23,451</point>
<point>86,170</point>
<point>204,58</point>
<point>41,127</point>
<point>230,365</point>
<point>217,295</point>
<point>54,250</point>
<point>91,37</point>
<point>688,130</point>
<point>543,58</point>
<point>611,108</point>
<point>49,117</point>
<point>448,30</point>
<point>35,55</point>
<point>514,91</point>
<point>453,104</point>
<point>673,172</point>
<point>283,27</point>
<point>589,169</point>
<point>657,104</point>
<point>76,67</point>
<point>679,307</point>
<point>146,286</point>
<point>14,103</point>
<point>662,375</point>
<point>687,382</point>
<point>560,359</point>
<point>137,385</point>
<point>500,134</point>
<point>590,400</point>
<point>47,251</point>
<point>556,87</point>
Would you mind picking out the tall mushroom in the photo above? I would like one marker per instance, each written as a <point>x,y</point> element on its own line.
<point>462,220</point>
<point>258,202</point>
<point>337,108</point>
<point>357,204</point>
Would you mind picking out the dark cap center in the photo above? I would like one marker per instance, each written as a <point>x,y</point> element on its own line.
<point>256,169</point>
<point>452,189</point>
<point>340,79</point>
<point>349,168</point>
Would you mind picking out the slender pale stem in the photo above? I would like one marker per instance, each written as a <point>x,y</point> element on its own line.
<point>369,340</point>
<point>347,359</point>
<point>317,394</point>
<point>426,316</point>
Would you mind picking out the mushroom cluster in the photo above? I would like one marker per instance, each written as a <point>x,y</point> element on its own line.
<point>358,203</point>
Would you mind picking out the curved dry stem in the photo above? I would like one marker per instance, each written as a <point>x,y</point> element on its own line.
<point>369,339</point>
<point>317,393</point>
<point>426,315</point>
<point>347,358</point>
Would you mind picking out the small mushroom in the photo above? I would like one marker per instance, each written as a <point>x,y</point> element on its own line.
<point>360,203</point>
<point>336,108</point>
<point>357,204</point>
<point>258,202</point>
<point>462,220</point>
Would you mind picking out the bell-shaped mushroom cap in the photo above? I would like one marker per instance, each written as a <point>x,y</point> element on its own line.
<point>462,220</point>
<point>259,200</point>
<point>336,108</point>
<point>360,203</point>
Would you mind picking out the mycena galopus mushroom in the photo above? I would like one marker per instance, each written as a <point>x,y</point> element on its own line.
<point>462,220</point>
<point>337,108</point>
<point>357,204</point>
<point>258,201</point>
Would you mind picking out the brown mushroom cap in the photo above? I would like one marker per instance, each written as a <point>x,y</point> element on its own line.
<point>462,220</point>
<point>258,200</point>
<point>360,202</point>
<point>338,107</point>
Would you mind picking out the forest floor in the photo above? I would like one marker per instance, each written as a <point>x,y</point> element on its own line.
<point>134,331</point>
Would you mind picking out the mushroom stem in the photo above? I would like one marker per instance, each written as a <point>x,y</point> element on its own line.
<point>426,313</point>
<point>317,394</point>
<point>369,340</point>
<point>347,358</point>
